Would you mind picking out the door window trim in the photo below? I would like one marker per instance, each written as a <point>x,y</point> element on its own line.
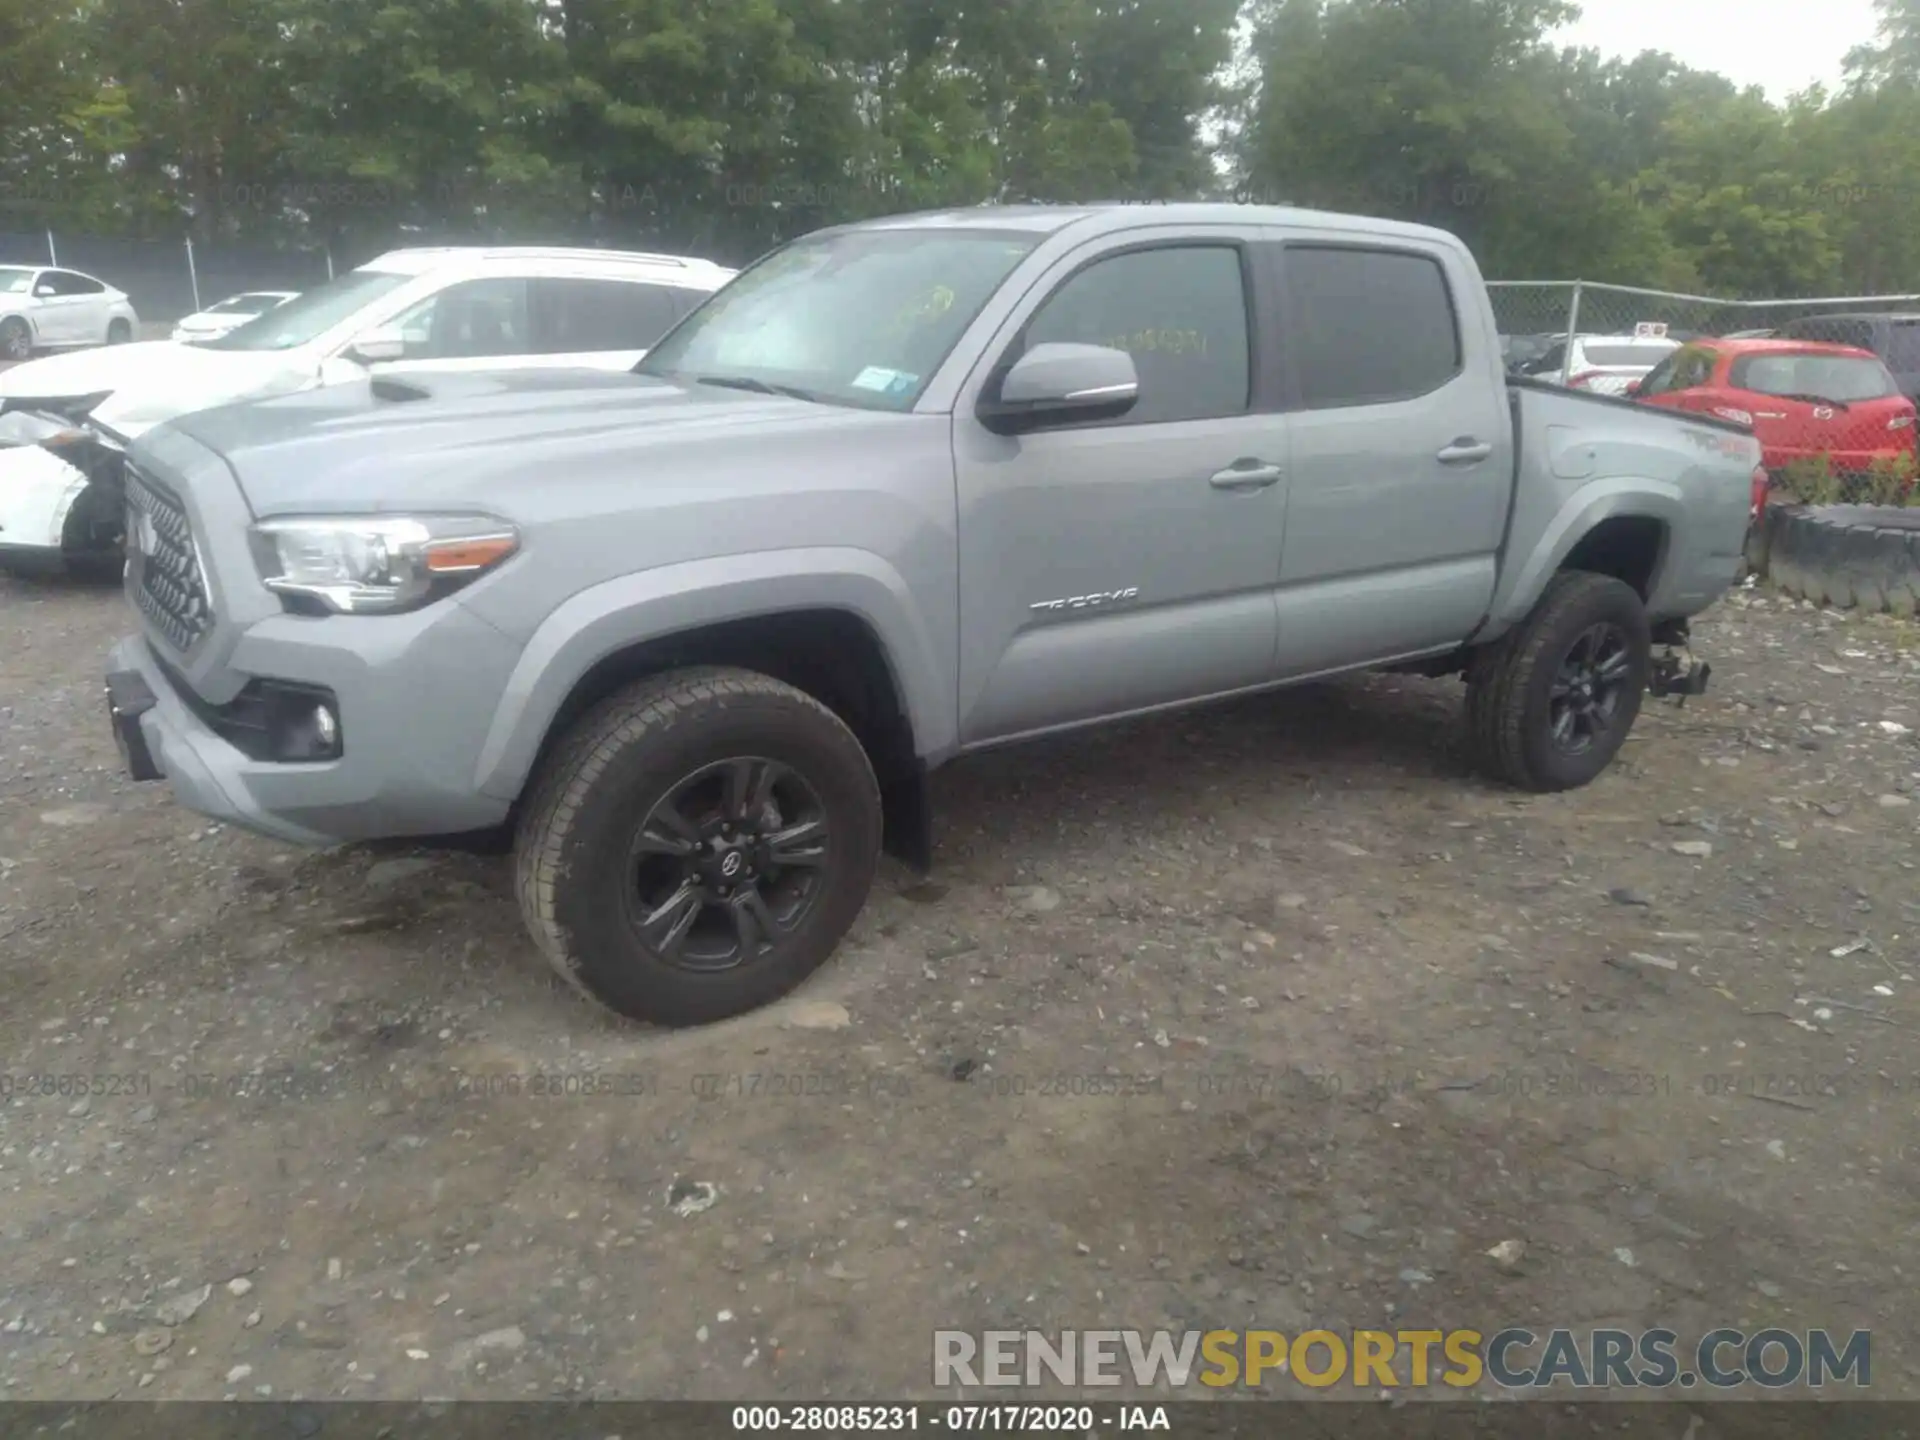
<point>1260,387</point>
<point>1293,318</point>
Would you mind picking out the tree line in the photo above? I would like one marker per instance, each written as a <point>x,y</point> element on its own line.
<point>725,126</point>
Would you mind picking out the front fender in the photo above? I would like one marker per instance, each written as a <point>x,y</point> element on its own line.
<point>1528,575</point>
<point>653,604</point>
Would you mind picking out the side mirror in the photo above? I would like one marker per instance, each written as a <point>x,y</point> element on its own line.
<point>383,342</point>
<point>44,291</point>
<point>1058,383</point>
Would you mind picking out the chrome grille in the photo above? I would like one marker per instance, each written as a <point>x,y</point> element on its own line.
<point>163,568</point>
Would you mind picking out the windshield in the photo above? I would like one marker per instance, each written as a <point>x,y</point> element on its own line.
<point>1845,378</point>
<point>860,317</point>
<point>245,305</point>
<point>308,316</point>
<point>13,280</point>
<point>1624,355</point>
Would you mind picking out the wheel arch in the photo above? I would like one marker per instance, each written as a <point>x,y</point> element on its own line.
<point>846,638</point>
<point>1620,528</point>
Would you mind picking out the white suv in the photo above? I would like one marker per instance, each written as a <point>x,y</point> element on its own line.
<point>64,420</point>
<point>46,309</point>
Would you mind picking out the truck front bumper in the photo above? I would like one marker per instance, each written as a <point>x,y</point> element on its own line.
<point>403,771</point>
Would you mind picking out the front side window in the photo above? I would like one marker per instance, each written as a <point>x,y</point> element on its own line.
<point>1373,325</point>
<point>852,317</point>
<point>1180,311</point>
<point>472,320</point>
<point>307,317</point>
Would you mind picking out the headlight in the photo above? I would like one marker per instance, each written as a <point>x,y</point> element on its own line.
<point>25,427</point>
<point>381,564</point>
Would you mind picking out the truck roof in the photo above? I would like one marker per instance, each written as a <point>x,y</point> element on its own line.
<point>1098,219</point>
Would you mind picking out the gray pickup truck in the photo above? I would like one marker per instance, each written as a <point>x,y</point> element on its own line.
<point>693,637</point>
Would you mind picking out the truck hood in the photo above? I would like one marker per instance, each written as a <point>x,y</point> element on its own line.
<point>463,439</point>
<point>156,380</point>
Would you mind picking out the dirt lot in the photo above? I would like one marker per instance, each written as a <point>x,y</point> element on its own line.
<point>1258,1016</point>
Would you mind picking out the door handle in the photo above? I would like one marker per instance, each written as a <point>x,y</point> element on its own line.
<point>1247,475</point>
<point>1465,451</point>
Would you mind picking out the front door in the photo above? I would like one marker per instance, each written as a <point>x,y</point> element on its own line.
<point>1402,455</point>
<point>1121,565</point>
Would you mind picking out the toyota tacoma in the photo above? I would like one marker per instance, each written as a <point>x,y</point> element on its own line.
<point>694,636</point>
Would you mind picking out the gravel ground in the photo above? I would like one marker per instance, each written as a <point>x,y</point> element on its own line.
<point>1264,1015</point>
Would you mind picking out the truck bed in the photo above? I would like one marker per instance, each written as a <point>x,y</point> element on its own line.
<point>1589,452</point>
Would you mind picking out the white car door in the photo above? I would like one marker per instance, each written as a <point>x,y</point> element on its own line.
<point>84,302</point>
<point>52,309</point>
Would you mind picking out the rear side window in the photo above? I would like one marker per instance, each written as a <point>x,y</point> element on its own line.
<point>1369,325</point>
<point>1845,378</point>
<point>577,316</point>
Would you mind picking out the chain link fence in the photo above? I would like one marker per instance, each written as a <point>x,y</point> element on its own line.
<point>1833,426</point>
<point>166,279</point>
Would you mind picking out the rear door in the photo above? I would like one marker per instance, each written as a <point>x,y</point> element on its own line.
<point>1402,453</point>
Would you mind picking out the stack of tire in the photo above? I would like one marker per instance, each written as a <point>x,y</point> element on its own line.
<point>1852,557</point>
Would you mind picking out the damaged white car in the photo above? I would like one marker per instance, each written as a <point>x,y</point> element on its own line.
<point>66,420</point>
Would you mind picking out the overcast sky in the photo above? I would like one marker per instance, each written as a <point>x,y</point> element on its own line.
<point>1783,46</point>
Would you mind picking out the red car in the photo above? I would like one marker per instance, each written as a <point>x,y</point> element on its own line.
<point>1802,398</point>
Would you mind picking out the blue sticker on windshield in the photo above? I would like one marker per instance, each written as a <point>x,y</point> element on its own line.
<point>887,382</point>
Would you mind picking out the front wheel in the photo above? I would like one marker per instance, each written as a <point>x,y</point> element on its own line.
<point>16,339</point>
<point>698,845</point>
<point>1550,704</point>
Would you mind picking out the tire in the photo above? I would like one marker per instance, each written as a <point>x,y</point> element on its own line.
<point>16,339</point>
<point>119,332</point>
<point>1512,706</point>
<point>588,884</point>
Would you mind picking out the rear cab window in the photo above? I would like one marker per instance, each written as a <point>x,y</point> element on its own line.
<point>1369,325</point>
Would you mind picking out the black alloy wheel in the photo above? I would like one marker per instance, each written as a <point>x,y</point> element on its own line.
<point>728,862</point>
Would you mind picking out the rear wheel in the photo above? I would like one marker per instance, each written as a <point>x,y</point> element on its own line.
<point>119,332</point>
<point>698,845</point>
<point>16,340</point>
<point>1551,703</point>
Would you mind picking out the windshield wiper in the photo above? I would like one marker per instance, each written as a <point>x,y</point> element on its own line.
<point>757,386</point>
<point>1814,400</point>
